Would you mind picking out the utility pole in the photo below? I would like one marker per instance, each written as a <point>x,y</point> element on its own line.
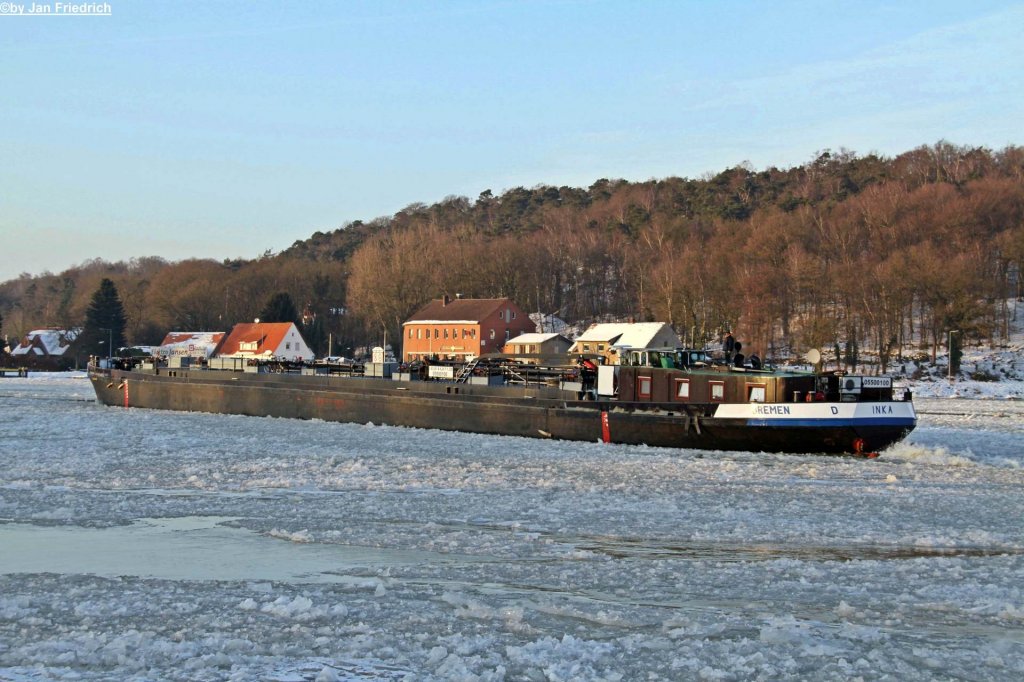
<point>949,369</point>
<point>110,343</point>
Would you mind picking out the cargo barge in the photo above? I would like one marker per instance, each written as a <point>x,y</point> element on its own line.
<point>664,398</point>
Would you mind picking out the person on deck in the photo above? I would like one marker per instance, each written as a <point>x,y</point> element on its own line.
<point>729,346</point>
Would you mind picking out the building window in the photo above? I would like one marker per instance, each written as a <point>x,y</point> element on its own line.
<point>600,348</point>
<point>717,391</point>
<point>586,348</point>
<point>446,332</point>
<point>682,389</point>
<point>513,314</point>
<point>288,345</point>
<point>410,332</point>
<point>492,334</point>
<point>643,387</point>
<point>756,393</point>
<point>507,335</point>
<point>419,333</point>
<point>501,314</point>
<point>437,333</point>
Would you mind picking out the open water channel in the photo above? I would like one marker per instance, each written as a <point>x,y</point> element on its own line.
<point>170,546</point>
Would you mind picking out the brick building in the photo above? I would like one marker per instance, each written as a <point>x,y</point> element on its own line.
<point>462,328</point>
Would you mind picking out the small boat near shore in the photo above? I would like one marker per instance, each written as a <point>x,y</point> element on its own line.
<point>674,398</point>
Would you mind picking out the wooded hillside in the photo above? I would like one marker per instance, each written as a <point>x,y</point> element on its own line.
<point>859,252</point>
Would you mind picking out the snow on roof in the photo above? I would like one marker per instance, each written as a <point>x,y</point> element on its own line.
<point>550,323</point>
<point>190,343</point>
<point>533,338</point>
<point>46,342</point>
<point>633,334</point>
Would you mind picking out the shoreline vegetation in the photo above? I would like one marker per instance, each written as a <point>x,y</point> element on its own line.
<point>868,258</point>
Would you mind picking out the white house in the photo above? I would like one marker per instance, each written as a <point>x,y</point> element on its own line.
<point>605,339</point>
<point>265,340</point>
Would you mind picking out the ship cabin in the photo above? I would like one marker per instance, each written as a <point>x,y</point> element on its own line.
<point>672,376</point>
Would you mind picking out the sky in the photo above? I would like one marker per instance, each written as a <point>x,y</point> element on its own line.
<point>224,129</point>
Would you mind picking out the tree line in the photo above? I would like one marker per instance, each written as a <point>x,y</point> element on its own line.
<point>845,252</point>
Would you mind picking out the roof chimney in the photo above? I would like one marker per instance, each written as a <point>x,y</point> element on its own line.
<point>446,300</point>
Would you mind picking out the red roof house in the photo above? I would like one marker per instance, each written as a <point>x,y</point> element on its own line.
<point>265,340</point>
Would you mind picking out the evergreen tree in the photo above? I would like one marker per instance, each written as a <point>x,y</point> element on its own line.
<point>279,308</point>
<point>104,322</point>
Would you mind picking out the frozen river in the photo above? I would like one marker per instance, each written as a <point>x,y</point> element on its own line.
<point>143,545</point>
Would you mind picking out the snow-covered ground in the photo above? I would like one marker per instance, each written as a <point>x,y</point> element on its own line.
<point>145,545</point>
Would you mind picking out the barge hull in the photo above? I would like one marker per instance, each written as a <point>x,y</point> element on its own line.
<point>514,411</point>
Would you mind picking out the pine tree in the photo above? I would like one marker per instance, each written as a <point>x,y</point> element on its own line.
<point>104,322</point>
<point>280,308</point>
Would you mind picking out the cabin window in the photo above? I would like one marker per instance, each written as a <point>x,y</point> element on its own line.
<point>586,348</point>
<point>682,389</point>
<point>643,387</point>
<point>756,393</point>
<point>717,391</point>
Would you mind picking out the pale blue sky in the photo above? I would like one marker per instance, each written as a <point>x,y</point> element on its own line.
<point>223,129</point>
